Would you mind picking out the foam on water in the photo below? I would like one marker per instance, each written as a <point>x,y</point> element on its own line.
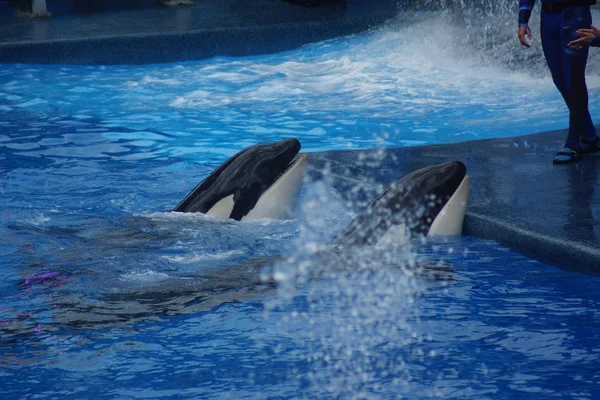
<point>147,276</point>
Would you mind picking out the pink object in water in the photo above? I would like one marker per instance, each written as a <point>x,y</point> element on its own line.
<point>43,278</point>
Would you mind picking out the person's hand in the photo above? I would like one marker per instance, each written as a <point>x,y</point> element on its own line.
<point>585,38</point>
<point>524,31</point>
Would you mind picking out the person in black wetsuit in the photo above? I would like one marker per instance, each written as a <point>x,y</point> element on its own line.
<point>561,19</point>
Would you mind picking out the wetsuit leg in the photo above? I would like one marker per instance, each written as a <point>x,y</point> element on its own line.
<point>567,67</point>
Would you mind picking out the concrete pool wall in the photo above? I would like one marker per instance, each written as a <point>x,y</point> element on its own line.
<point>158,35</point>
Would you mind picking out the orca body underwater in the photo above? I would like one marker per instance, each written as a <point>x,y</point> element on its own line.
<point>429,201</point>
<point>261,181</point>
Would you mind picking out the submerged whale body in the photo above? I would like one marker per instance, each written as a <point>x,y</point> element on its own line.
<point>429,201</point>
<point>261,181</point>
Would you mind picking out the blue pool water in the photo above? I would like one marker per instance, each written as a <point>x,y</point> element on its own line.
<point>106,295</point>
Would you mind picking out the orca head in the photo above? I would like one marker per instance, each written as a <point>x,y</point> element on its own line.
<point>261,181</point>
<point>429,201</point>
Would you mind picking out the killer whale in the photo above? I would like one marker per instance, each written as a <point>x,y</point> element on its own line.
<point>261,181</point>
<point>429,201</point>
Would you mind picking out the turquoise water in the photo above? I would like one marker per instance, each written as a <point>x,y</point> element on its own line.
<point>106,295</point>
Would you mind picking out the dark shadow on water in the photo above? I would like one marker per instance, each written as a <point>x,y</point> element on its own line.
<point>107,273</point>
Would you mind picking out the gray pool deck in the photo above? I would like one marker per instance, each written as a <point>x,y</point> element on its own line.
<point>518,198</point>
<point>210,28</point>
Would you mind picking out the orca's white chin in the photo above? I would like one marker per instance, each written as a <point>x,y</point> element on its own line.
<point>449,221</point>
<point>279,200</point>
<point>222,208</point>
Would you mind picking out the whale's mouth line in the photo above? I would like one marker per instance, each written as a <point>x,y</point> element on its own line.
<point>291,165</point>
